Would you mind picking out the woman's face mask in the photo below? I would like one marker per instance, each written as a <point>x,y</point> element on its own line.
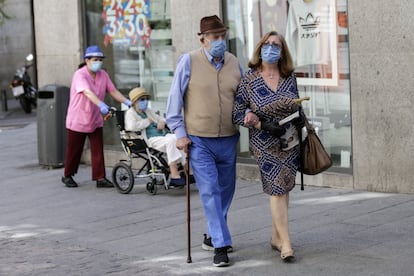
<point>96,66</point>
<point>270,53</point>
<point>142,104</point>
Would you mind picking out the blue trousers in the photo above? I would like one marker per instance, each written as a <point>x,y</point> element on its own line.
<point>213,161</point>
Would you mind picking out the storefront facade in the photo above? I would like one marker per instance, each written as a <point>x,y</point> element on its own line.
<point>142,40</point>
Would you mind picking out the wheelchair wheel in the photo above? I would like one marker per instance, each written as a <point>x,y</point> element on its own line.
<point>123,178</point>
<point>152,187</point>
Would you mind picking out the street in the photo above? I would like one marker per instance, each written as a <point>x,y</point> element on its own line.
<point>48,229</point>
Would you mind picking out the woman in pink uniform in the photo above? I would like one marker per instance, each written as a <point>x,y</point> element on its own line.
<point>84,118</point>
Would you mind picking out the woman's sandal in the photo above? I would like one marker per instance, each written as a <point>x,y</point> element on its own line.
<point>288,256</point>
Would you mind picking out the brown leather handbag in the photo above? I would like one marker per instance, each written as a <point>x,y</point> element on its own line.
<point>313,157</point>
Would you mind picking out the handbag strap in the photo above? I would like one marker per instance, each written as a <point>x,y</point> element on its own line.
<point>309,129</point>
<point>302,188</point>
<point>308,125</point>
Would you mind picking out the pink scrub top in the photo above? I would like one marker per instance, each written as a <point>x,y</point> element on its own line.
<point>83,115</point>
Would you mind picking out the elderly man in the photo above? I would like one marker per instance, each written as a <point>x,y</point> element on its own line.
<point>204,85</point>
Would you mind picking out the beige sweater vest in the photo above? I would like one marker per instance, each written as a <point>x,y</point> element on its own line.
<point>209,99</point>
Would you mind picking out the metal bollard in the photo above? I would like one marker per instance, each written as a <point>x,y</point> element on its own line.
<point>3,97</point>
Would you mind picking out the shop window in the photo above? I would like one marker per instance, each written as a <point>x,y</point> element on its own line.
<point>136,39</point>
<point>317,34</point>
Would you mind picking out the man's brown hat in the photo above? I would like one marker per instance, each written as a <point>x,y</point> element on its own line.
<point>211,24</point>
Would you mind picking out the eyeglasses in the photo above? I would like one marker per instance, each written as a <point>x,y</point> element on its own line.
<point>273,45</point>
<point>143,99</point>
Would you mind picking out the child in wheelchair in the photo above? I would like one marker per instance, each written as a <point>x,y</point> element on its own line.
<point>152,128</point>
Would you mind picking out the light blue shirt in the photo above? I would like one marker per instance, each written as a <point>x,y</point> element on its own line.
<point>175,103</point>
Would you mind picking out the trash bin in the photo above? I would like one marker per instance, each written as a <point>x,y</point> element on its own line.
<point>52,105</point>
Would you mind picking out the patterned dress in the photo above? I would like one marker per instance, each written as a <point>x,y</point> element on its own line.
<point>278,168</point>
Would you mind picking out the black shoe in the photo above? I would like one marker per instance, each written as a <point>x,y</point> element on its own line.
<point>69,182</point>
<point>104,183</point>
<point>220,257</point>
<point>208,245</point>
<point>191,177</point>
<point>177,181</point>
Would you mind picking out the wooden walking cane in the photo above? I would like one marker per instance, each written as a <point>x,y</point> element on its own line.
<point>187,183</point>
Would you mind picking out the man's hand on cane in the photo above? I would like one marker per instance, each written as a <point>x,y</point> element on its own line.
<point>183,144</point>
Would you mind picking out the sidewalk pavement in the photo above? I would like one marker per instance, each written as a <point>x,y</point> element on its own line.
<point>15,114</point>
<point>48,229</point>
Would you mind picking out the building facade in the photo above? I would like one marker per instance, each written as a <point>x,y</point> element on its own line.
<point>352,58</point>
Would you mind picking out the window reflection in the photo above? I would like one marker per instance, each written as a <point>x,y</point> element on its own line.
<point>136,39</point>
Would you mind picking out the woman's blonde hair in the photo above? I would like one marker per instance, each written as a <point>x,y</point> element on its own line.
<point>285,63</point>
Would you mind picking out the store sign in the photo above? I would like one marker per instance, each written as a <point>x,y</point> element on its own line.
<point>126,22</point>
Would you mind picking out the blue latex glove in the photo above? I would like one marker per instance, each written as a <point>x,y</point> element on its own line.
<point>104,108</point>
<point>128,103</point>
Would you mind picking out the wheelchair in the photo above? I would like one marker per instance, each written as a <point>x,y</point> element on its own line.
<point>153,164</point>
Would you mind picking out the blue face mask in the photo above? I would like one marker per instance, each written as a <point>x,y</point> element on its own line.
<point>142,104</point>
<point>96,66</point>
<point>270,54</point>
<point>217,48</point>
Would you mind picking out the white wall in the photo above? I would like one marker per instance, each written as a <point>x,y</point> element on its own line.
<point>58,40</point>
<point>185,22</point>
<point>382,79</point>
